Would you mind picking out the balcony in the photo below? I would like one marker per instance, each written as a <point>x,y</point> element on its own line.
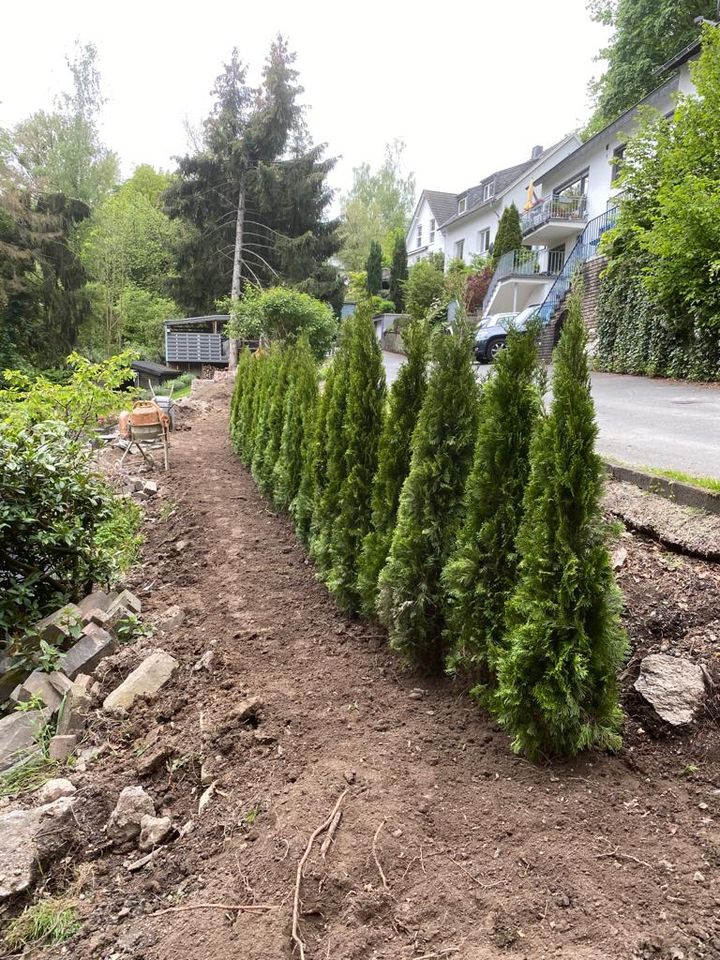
<point>521,278</point>
<point>553,220</point>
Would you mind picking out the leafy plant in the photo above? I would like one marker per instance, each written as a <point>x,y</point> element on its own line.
<point>35,702</point>
<point>118,537</point>
<point>557,677</point>
<point>425,294</point>
<point>283,314</point>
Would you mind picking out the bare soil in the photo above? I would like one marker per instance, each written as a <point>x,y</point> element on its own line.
<point>484,854</point>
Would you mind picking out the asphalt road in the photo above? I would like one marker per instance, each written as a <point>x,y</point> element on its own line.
<point>647,423</point>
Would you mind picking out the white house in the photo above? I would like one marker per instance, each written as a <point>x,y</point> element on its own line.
<point>424,235</point>
<point>573,204</point>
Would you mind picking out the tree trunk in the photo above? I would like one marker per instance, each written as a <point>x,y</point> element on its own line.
<point>237,270</point>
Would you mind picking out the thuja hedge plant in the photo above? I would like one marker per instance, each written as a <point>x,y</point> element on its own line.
<point>468,523</point>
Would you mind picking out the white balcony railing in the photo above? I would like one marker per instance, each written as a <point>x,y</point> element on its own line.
<point>553,208</point>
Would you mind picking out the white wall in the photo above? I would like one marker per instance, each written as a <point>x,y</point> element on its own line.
<point>423,216</point>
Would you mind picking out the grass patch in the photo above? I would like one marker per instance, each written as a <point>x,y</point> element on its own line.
<point>28,776</point>
<point>47,922</point>
<point>705,483</point>
<point>119,537</point>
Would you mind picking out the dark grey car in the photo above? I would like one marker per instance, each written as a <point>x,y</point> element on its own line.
<point>492,332</point>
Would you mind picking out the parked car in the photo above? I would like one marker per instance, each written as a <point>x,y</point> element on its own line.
<point>492,332</point>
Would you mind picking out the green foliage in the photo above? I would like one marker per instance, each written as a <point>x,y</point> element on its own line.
<point>285,315</point>
<point>298,424</point>
<point>430,512</point>
<point>266,448</point>
<point>51,506</point>
<point>373,268</point>
<point>509,233</point>
<point>398,273</point>
<point>557,681</point>
<point>484,566</point>
<point>47,922</point>
<point>314,464</point>
<point>143,314</point>
<point>91,392</point>
<point>118,537</point>
<point>664,250</point>
<point>425,294</point>
<point>646,33</point>
<point>394,452</point>
<point>377,206</point>
<point>361,430</point>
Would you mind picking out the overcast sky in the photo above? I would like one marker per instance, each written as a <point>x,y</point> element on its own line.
<point>469,86</point>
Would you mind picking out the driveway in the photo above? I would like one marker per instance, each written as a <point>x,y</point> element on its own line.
<point>647,423</point>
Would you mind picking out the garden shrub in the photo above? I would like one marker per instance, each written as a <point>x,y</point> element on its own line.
<point>394,452</point>
<point>410,593</point>
<point>267,444</point>
<point>484,568</point>
<point>298,423</point>
<point>280,313</point>
<point>313,477</point>
<point>557,679</point>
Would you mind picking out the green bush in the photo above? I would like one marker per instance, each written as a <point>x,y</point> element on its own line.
<point>406,397</point>
<point>360,435</point>
<point>298,422</point>
<point>484,568</point>
<point>313,477</point>
<point>270,424</point>
<point>557,679</point>
<point>52,506</point>
<point>283,314</point>
<point>118,537</point>
<point>425,294</point>
<point>430,512</point>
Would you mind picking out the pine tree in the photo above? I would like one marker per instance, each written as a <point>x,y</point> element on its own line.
<point>484,568</point>
<point>327,502</point>
<point>267,445</point>
<point>314,463</point>
<point>298,421</point>
<point>557,683</point>
<point>406,397</point>
<point>362,427</point>
<point>398,273</point>
<point>373,267</point>
<point>509,233</point>
<point>430,511</point>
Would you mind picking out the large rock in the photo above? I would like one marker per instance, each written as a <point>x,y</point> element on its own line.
<point>153,830</point>
<point>18,732</point>
<point>59,626</point>
<point>152,674</point>
<point>674,687</point>
<point>62,746</point>
<point>97,600</point>
<point>75,707</point>
<point>86,654</point>
<point>127,599</point>
<point>29,840</point>
<point>49,687</point>
<point>124,823</point>
<point>55,789</point>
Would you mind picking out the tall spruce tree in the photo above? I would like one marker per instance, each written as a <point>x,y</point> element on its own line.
<point>361,434</point>
<point>398,273</point>
<point>314,463</point>
<point>509,233</point>
<point>298,422</point>
<point>373,268</point>
<point>430,512</point>
<point>557,682</point>
<point>484,568</point>
<point>406,398</point>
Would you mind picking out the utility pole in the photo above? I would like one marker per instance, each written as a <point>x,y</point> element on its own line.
<point>237,269</point>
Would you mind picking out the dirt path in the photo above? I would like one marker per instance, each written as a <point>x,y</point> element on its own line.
<point>485,855</point>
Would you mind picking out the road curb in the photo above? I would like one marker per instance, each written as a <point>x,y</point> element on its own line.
<point>682,493</point>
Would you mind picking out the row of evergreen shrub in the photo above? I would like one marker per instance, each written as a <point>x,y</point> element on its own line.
<point>466,520</point>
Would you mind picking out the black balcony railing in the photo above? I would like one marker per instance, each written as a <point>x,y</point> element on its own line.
<point>553,208</point>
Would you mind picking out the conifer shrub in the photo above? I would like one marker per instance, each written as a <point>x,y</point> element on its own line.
<point>327,499</point>
<point>362,426</point>
<point>406,397</point>
<point>430,512</point>
<point>246,407</point>
<point>298,421</point>
<point>269,427</point>
<point>557,681</point>
<point>484,568</point>
<point>314,462</point>
<point>236,403</point>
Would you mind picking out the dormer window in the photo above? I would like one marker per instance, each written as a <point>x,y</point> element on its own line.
<point>462,205</point>
<point>488,191</point>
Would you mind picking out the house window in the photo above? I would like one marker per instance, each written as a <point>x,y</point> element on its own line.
<point>462,205</point>
<point>459,249</point>
<point>488,191</point>
<point>419,235</point>
<point>483,240</point>
<point>618,154</point>
<point>576,188</point>
<point>432,231</point>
